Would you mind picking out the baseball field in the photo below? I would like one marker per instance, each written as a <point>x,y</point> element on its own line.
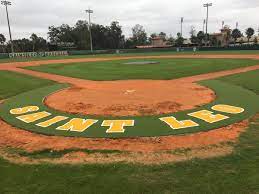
<point>132,123</point>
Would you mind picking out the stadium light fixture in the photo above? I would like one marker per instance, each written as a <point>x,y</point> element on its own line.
<point>6,4</point>
<point>207,5</point>
<point>89,11</point>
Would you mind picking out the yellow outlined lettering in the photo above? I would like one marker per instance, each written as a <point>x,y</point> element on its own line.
<point>23,110</point>
<point>117,126</point>
<point>33,117</point>
<point>51,121</point>
<point>228,109</point>
<point>208,116</point>
<point>77,125</point>
<point>175,124</point>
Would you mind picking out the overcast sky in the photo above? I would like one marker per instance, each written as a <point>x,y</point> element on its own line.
<point>28,16</point>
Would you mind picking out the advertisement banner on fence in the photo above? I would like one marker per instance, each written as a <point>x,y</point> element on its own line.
<point>38,54</point>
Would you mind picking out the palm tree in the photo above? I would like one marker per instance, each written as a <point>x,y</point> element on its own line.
<point>249,33</point>
<point>2,41</point>
<point>34,39</point>
<point>180,40</point>
<point>200,37</point>
<point>236,33</point>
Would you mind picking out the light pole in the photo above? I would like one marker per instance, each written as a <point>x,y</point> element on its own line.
<point>182,26</point>
<point>207,5</point>
<point>6,3</point>
<point>89,11</point>
<point>203,28</point>
<point>237,25</point>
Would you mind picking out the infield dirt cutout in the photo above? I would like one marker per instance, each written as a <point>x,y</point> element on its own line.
<point>123,98</point>
<point>130,98</point>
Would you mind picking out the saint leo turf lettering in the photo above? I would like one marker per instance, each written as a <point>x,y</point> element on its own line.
<point>228,109</point>
<point>27,109</point>
<point>30,118</point>
<point>77,125</point>
<point>52,121</point>
<point>117,126</point>
<point>208,116</point>
<point>175,124</point>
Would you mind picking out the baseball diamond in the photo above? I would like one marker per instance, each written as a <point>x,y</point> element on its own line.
<point>135,110</point>
<point>129,97</point>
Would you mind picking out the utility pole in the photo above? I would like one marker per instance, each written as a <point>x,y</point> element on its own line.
<point>89,11</point>
<point>237,25</point>
<point>182,26</point>
<point>207,5</point>
<point>6,3</point>
<point>203,28</point>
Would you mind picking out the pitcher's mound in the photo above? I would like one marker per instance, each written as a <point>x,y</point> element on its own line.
<point>141,63</point>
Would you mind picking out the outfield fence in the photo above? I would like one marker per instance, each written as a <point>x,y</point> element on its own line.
<point>172,49</point>
<point>126,51</point>
<point>4,55</point>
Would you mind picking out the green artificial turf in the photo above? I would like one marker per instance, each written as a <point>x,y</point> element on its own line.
<point>15,83</point>
<point>167,69</point>
<point>251,80</point>
<point>233,174</point>
<point>145,126</point>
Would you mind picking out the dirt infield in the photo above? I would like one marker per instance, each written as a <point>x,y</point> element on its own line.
<point>127,98</point>
<point>130,98</point>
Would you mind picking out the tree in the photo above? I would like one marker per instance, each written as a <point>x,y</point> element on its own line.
<point>63,33</point>
<point>153,35</point>
<point>104,37</point>
<point>81,34</point>
<point>2,41</point>
<point>38,43</point>
<point>116,39</point>
<point>193,35</point>
<point>200,37</point>
<point>179,41</point>
<point>34,39</point>
<point>139,35</point>
<point>129,44</point>
<point>163,35</point>
<point>22,45</point>
<point>53,34</point>
<point>171,40</point>
<point>249,33</point>
<point>236,33</point>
